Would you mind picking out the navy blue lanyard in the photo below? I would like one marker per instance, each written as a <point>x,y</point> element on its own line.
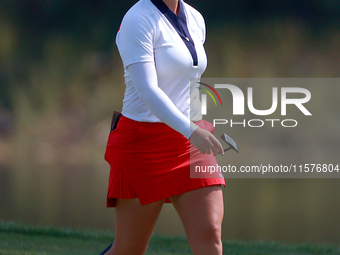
<point>179,22</point>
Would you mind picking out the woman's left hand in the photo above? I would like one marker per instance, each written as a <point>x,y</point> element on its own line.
<point>206,142</point>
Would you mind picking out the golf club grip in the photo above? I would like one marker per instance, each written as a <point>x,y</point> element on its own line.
<point>115,118</point>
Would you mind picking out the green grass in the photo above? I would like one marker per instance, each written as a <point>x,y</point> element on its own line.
<point>28,240</point>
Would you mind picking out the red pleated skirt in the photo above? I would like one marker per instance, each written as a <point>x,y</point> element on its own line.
<point>151,161</point>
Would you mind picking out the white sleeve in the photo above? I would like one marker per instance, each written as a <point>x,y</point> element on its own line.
<point>135,39</point>
<point>144,78</point>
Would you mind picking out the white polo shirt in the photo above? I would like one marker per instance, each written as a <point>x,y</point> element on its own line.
<point>147,34</point>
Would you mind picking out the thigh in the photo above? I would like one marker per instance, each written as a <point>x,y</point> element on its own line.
<point>134,222</point>
<point>201,211</point>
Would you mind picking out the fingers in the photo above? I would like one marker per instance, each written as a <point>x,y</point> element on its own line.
<point>214,146</point>
<point>201,150</point>
<point>206,142</point>
<point>213,149</point>
<point>218,146</point>
<point>207,150</point>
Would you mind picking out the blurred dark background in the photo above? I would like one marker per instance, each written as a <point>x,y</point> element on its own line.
<point>61,77</point>
<point>76,28</point>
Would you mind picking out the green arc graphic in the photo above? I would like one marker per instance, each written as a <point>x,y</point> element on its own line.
<point>208,92</point>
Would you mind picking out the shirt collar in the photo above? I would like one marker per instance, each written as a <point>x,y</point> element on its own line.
<point>170,15</point>
<point>165,9</point>
<point>179,22</point>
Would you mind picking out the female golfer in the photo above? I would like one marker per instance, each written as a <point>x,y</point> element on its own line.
<point>161,134</point>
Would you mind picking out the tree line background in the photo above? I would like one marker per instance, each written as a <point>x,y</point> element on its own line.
<point>27,26</point>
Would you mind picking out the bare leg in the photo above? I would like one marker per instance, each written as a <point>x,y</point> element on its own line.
<point>201,212</point>
<point>134,226</point>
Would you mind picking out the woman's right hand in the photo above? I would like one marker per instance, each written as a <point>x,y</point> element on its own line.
<point>206,142</point>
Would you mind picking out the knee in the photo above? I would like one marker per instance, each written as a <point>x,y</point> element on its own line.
<point>209,234</point>
<point>206,238</point>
